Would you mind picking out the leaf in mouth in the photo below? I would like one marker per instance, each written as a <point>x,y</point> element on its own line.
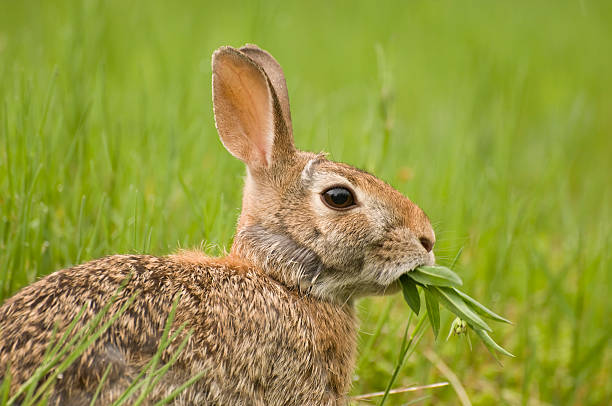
<point>411,294</point>
<point>436,276</point>
<point>480,308</point>
<point>433,310</point>
<point>455,304</point>
<point>440,286</point>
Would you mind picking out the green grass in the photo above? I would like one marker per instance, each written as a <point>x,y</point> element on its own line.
<point>495,117</point>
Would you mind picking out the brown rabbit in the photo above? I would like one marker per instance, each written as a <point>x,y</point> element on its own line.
<point>273,322</point>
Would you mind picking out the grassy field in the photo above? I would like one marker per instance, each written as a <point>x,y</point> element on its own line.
<point>495,117</point>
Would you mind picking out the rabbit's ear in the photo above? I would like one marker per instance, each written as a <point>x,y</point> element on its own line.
<point>276,76</point>
<point>248,114</point>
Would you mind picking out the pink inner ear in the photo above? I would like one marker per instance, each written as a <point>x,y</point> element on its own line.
<point>243,109</point>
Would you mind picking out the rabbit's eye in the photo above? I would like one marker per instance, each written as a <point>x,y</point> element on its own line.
<point>338,198</point>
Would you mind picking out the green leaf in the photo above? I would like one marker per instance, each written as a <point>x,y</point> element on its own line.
<point>176,392</point>
<point>456,321</point>
<point>100,385</point>
<point>411,294</point>
<point>435,276</point>
<point>455,304</point>
<point>457,256</point>
<point>6,385</point>
<point>481,309</point>
<point>491,345</point>
<point>433,311</point>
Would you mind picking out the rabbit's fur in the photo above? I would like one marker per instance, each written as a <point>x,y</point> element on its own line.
<point>272,322</point>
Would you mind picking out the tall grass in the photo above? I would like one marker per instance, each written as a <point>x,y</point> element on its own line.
<point>494,117</point>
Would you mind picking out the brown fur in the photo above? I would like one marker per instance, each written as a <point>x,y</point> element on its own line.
<point>259,344</point>
<point>272,322</point>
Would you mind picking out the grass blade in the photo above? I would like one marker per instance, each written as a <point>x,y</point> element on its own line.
<point>181,388</point>
<point>491,345</point>
<point>436,276</point>
<point>60,348</point>
<point>150,368</point>
<point>368,396</point>
<point>83,345</point>
<point>481,309</point>
<point>433,311</point>
<point>100,385</point>
<point>457,256</point>
<point>6,386</point>
<point>408,347</point>
<point>411,294</point>
<point>161,372</point>
<point>455,304</point>
<point>149,386</point>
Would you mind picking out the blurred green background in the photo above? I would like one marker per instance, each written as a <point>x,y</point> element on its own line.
<point>495,117</point>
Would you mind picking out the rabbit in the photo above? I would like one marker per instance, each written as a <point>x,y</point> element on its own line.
<point>273,322</point>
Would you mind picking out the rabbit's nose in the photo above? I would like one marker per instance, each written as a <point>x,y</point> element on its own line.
<point>426,243</point>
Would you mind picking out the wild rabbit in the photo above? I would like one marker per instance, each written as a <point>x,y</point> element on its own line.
<point>273,322</point>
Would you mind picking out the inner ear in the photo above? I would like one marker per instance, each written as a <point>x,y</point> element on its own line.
<point>277,78</point>
<point>244,107</point>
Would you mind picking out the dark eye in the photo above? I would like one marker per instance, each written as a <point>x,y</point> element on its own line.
<point>338,198</point>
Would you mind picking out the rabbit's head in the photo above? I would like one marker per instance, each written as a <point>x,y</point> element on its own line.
<point>324,227</point>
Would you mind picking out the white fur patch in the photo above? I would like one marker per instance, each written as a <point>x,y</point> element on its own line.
<point>308,170</point>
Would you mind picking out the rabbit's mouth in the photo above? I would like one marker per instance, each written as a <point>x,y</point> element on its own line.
<point>388,282</point>
<point>393,271</point>
<point>396,285</point>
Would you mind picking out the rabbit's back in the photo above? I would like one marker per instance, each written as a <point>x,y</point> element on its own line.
<point>257,341</point>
